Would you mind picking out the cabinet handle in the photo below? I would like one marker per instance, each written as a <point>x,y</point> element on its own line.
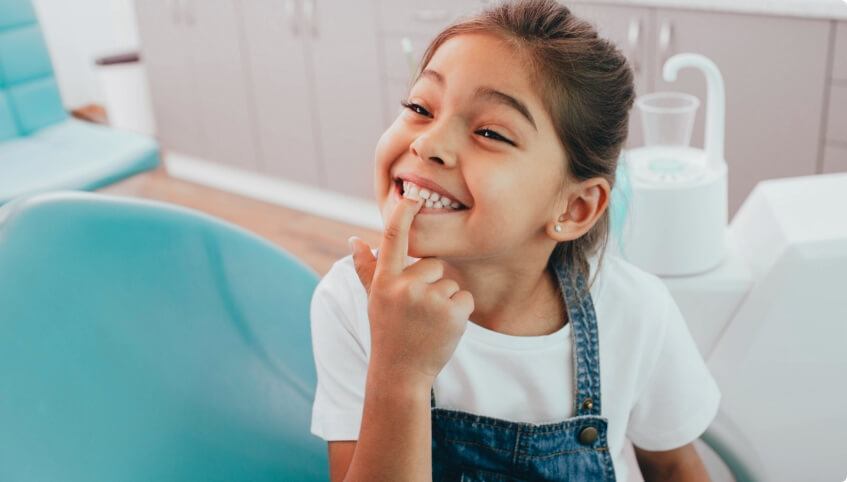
<point>409,54</point>
<point>633,38</point>
<point>430,15</point>
<point>309,8</point>
<point>291,15</point>
<point>665,33</point>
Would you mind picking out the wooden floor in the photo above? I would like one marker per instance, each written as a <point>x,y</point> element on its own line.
<point>316,241</point>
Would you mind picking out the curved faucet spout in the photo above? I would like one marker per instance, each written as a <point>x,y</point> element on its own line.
<point>715,100</point>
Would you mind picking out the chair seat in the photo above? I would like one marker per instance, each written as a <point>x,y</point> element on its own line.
<point>141,341</point>
<point>72,155</point>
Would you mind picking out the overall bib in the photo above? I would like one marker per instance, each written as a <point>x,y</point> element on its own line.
<point>468,447</point>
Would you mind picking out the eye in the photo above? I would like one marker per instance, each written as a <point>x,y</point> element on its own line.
<point>488,133</point>
<point>417,109</point>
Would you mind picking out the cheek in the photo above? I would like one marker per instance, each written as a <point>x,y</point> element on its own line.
<point>391,145</point>
<point>504,207</point>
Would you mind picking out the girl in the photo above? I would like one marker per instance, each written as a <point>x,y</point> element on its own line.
<point>471,345</point>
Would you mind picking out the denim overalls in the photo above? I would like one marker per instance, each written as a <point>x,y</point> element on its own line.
<point>479,448</point>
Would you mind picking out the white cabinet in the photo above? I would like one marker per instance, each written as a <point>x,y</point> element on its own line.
<point>343,46</point>
<point>192,50</point>
<point>835,142</point>
<point>282,87</point>
<point>167,58</point>
<point>315,78</point>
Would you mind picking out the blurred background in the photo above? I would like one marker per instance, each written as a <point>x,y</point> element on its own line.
<point>266,114</point>
<point>298,91</point>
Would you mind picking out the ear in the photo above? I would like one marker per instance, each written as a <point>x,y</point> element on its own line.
<point>586,202</point>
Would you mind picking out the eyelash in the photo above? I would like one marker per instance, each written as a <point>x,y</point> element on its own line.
<point>413,107</point>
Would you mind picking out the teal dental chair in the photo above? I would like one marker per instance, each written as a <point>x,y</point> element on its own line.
<point>41,148</point>
<point>141,341</point>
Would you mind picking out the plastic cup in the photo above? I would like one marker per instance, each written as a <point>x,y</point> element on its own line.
<point>667,118</point>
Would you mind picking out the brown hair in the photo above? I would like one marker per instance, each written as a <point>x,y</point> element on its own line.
<point>587,84</point>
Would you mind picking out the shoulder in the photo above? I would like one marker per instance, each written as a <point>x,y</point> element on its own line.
<point>623,284</point>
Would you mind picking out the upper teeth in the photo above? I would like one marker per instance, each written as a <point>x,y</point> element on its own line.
<point>433,199</point>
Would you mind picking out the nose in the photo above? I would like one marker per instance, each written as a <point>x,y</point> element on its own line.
<point>438,143</point>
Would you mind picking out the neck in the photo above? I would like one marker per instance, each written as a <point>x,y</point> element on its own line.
<point>517,297</point>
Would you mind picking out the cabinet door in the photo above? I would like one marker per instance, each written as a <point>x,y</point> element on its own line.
<point>282,92</point>
<point>343,44</point>
<point>219,67</point>
<point>774,88</point>
<point>631,29</point>
<point>412,26</point>
<point>170,74</point>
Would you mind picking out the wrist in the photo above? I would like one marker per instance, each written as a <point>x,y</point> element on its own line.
<point>400,381</point>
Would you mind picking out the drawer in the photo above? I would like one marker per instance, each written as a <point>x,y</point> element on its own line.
<point>422,17</point>
<point>834,159</point>
<point>839,66</point>
<point>836,128</point>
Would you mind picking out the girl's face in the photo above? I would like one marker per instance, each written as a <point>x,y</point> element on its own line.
<point>475,126</point>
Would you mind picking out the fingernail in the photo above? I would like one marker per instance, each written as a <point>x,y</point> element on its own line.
<point>350,243</point>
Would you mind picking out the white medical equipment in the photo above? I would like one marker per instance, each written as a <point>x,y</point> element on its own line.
<point>780,357</point>
<point>678,213</point>
<point>765,298</point>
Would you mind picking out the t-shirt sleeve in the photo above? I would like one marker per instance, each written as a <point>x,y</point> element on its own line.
<point>680,398</point>
<point>341,361</point>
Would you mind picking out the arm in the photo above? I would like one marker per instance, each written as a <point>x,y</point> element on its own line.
<point>416,319</point>
<point>681,464</point>
<point>395,438</point>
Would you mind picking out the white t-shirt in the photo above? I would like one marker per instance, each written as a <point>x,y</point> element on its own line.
<point>655,387</point>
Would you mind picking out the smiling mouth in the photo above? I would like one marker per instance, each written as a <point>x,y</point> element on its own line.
<point>400,192</point>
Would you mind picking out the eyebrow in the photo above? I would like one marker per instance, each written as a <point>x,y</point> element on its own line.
<point>487,93</point>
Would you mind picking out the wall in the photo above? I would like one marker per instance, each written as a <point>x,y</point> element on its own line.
<point>79,31</point>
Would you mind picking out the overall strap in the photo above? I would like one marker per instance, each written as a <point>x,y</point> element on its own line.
<point>585,338</point>
<point>584,333</point>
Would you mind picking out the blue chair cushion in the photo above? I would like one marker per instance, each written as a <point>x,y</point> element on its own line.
<point>8,126</point>
<point>72,155</point>
<point>37,104</point>
<point>141,341</point>
<point>15,12</point>
<point>23,55</point>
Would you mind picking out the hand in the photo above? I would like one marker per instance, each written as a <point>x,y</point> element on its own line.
<point>416,316</point>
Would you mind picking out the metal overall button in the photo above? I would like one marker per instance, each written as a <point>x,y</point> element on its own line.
<point>588,435</point>
<point>587,404</point>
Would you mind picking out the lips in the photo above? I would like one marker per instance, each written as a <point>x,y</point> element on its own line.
<point>428,184</point>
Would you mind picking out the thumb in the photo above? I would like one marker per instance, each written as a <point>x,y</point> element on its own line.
<point>363,260</point>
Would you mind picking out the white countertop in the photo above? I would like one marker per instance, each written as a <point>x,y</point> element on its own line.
<point>826,9</point>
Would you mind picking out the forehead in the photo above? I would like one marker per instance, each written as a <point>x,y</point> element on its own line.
<point>479,59</point>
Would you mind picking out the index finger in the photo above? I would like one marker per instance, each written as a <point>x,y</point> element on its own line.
<point>394,247</point>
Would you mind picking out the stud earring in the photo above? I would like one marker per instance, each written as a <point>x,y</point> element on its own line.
<point>557,228</point>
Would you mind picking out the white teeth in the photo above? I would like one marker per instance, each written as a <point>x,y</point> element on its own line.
<point>432,199</point>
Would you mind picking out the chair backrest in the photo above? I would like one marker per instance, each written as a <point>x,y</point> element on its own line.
<point>142,341</point>
<point>29,96</point>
